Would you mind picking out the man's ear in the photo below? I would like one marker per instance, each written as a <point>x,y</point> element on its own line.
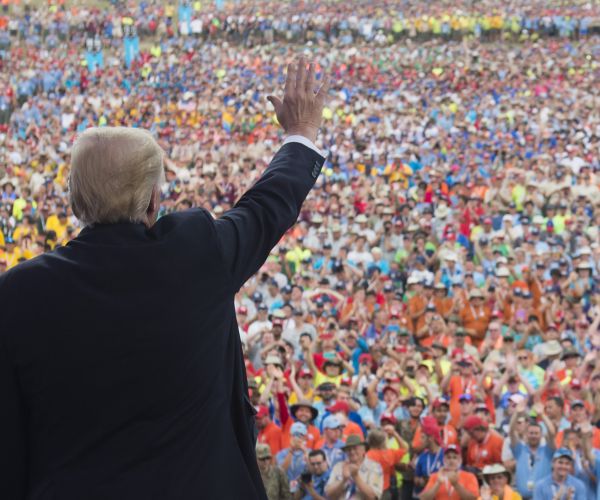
<point>153,207</point>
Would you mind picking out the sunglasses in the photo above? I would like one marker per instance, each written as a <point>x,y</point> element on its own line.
<point>316,464</point>
<point>264,459</point>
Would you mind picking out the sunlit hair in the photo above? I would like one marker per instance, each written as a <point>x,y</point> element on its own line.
<point>113,171</point>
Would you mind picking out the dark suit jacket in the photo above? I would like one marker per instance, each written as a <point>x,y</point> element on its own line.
<point>121,370</point>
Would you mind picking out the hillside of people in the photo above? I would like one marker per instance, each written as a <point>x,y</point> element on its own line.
<point>429,328</point>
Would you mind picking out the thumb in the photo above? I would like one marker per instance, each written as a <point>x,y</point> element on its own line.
<point>275,101</point>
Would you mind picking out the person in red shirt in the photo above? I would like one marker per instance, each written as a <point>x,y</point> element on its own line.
<point>268,432</point>
<point>485,445</point>
<point>451,483</point>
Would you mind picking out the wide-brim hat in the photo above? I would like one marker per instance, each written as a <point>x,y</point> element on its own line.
<point>304,404</point>
<point>353,440</point>
<point>493,469</point>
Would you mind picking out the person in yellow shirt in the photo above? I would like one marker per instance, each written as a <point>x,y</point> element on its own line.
<point>59,224</point>
<point>302,387</point>
<point>26,228</point>
<point>12,254</point>
<point>496,484</point>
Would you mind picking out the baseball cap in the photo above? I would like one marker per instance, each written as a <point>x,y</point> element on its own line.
<point>441,402</point>
<point>242,310</point>
<point>331,422</point>
<point>388,417</point>
<point>577,402</point>
<point>339,406</point>
<point>465,397</point>
<point>563,452</point>
<point>263,451</point>
<point>257,297</point>
<point>298,429</point>
<point>326,386</point>
<point>262,411</point>
<point>474,422</point>
<point>452,448</point>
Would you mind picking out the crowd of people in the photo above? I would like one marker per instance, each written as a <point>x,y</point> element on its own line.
<point>429,327</point>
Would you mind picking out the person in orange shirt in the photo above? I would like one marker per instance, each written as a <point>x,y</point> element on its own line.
<point>388,459</point>
<point>459,382</point>
<point>443,303</point>
<point>579,417</point>
<point>440,410</point>
<point>485,445</point>
<point>268,432</point>
<point>476,317</point>
<point>341,409</point>
<point>451,483</point>
<point>416,307</point>
<point>303,412</point>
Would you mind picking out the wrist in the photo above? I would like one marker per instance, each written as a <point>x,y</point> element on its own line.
<point>310,132</point>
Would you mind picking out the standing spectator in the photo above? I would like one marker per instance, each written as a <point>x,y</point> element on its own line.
<point>431,459</point>
<point>533,459</point>
<point>268,432</point>
<point>484,445</point>
<point>331,443</point>
<point>276,483</point>
<point>312,484</point>
<point>358,476</point>
<point>560,484</point>
<point>389,460</point>
<point>451,483</point>
<point>497,484</point>
<point>294,459</point>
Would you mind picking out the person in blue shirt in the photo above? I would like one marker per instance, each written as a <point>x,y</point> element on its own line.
<point>312,482</point>
<point>292,460</point>
<point>432,458</point>
<point>592,455</point>
<point>560,484</point>
<point>332,442</point>
<point>533,459</point>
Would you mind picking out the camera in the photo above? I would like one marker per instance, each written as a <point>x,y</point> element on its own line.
<point>306,477</point>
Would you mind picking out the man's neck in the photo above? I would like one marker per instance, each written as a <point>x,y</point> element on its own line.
<point>559,479</point>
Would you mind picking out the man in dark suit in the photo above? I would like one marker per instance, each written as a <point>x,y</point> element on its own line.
<point>121,370</point>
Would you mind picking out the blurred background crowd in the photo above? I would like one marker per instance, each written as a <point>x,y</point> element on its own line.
<point>429,327</point>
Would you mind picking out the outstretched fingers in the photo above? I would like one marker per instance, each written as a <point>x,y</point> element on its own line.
<point>301,75</point>
<point>311,82</point>
<point>290,79</point>
<point>324,89</point>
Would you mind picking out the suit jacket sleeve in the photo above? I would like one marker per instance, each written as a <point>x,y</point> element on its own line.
<point>248,232</point>
<point>13,457</point>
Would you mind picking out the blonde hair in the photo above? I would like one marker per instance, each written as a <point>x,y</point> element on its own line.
<point>113,172</point>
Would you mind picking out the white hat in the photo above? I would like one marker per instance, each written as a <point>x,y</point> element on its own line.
<point>361,218</point>
<point>502,272</point>
<point>413,280</point>
<point>442,211</point>
<point>451,256</point>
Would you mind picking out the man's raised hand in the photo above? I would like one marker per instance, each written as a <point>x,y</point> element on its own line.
<point>301,111</point>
